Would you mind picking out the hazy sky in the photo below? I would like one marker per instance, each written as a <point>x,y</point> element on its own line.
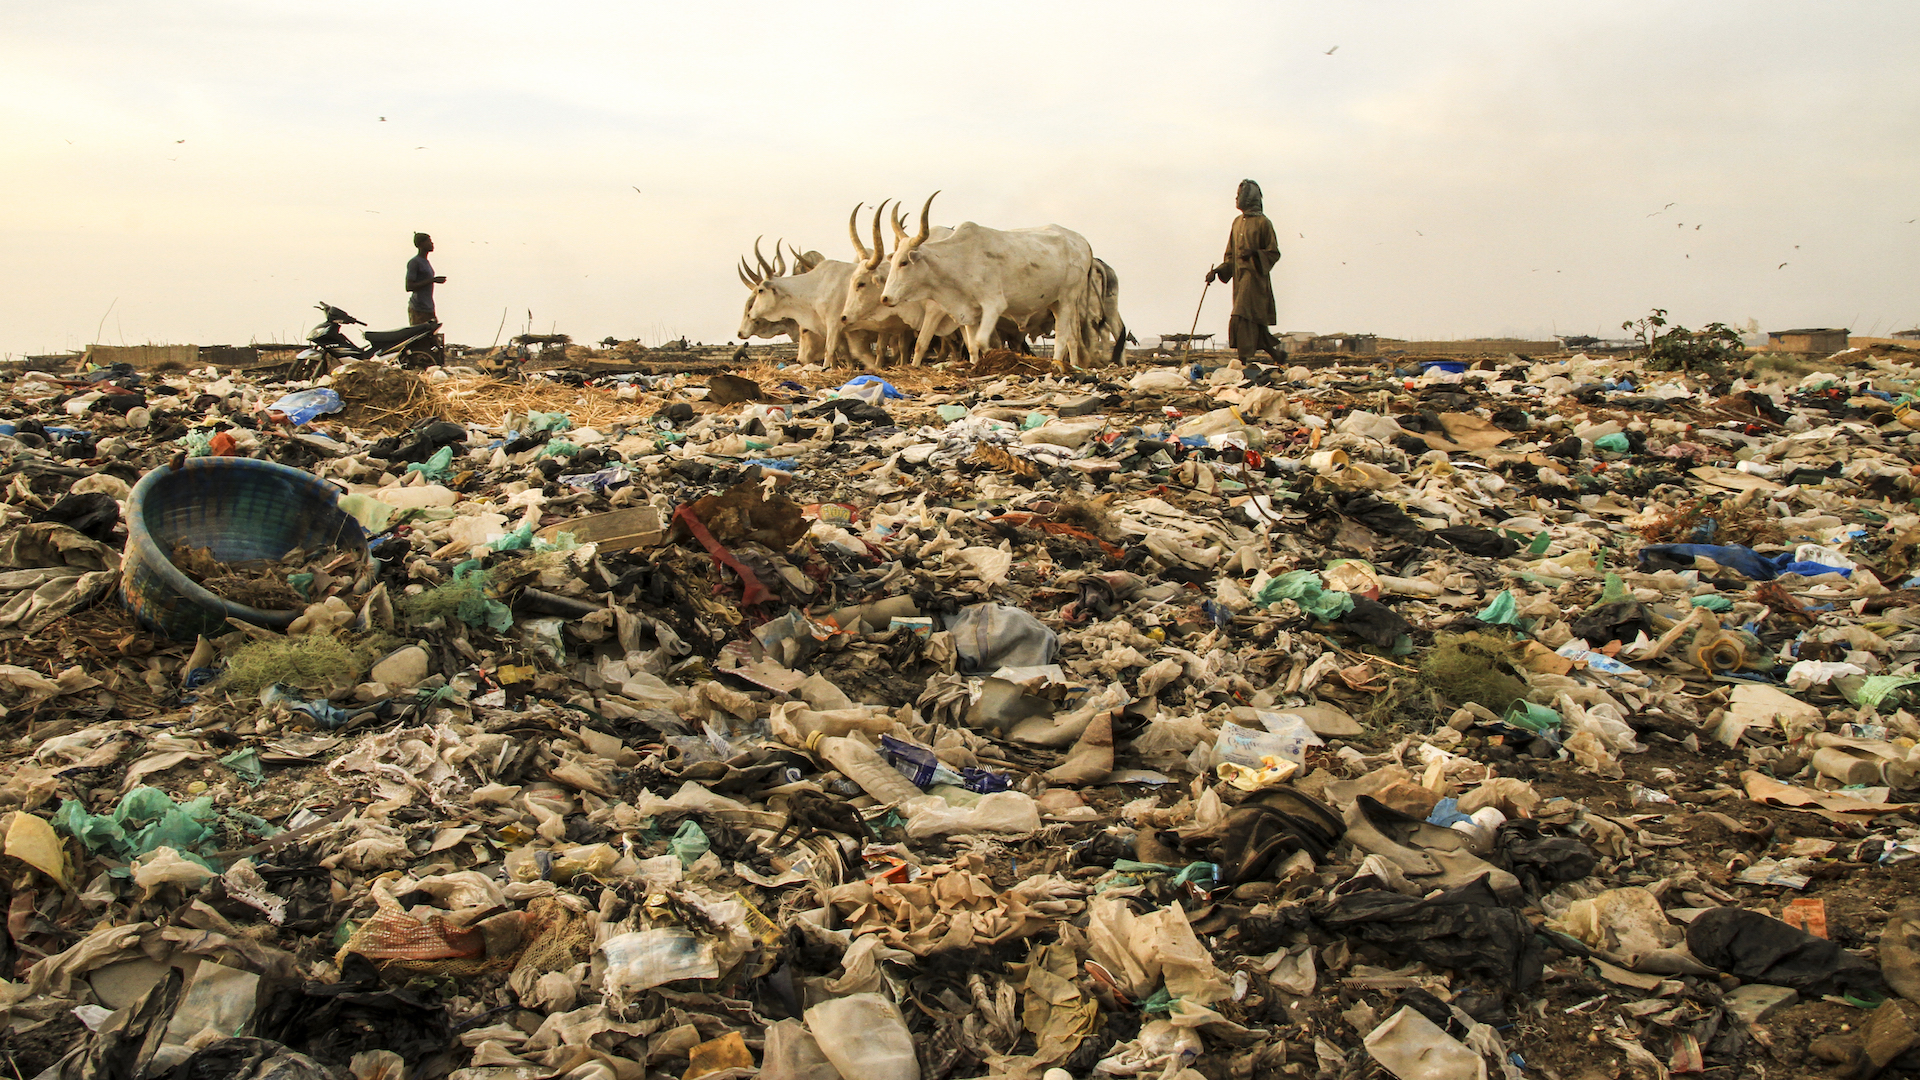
<point>204,172</point>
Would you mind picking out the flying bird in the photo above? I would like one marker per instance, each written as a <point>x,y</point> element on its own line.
<point>636,190</point>
<point>177,142</point>
<point>383,119</point>
<point>1663,209</point>
<point>1417,232</point>
<point>1331,51</point>
<point>1782,266</point>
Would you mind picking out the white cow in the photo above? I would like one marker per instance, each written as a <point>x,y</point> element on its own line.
<point>862,309</point>
<point>750,327</point>
<point>811,300</point>
<point>979,275</point>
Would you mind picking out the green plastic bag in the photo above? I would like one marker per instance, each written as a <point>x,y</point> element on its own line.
<point>1500,611</point>
<point>517,540</point>
<point>437,468</point>
<point>1303,587</point>
<point>1528,716</point>
<point>690,842</point>
<point>1713,603</point>
<point>247,765</point>
<point>1616,443</point>
<point>1615,590</point>
<point>548,421</point>
<point>146,819</point>
<point>1875,689</point>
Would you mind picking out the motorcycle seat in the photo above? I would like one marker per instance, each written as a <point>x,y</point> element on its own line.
<point>382,338</point>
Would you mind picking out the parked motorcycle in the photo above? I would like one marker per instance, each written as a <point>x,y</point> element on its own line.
<point>415,346</point>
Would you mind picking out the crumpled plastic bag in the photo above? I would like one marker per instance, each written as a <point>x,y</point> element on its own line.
<point>49,570</point>
<point>1303,587</point>
<point>145,821</point>
<point>1003,812</point>
<point>993,636</point>
<point>644,959</point>
<point>32,840</point>
<point>169,867</point>
<point>865,1036</point>
<point>1619,921</point>
<point>1144,951</point>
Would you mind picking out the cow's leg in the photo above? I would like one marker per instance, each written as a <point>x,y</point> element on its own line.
<point>933,323</point>
<point>1069,335</point>
<point>983,326</point>
<point>810,348</point>
<point>835,338</point>
<point>924,340</point>
<point>860,344</point>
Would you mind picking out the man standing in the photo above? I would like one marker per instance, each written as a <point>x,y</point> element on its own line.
<point>1252,250</point>
<point>420,282</point>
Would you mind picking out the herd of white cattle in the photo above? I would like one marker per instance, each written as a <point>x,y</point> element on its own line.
<point>969,287</point>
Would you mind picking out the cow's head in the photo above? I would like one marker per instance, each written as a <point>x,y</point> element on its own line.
<point>869,271</point>
<point>901,283</point>
<point>762,293</point>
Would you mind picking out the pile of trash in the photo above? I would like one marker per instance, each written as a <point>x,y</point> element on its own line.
<point>1522,717</point>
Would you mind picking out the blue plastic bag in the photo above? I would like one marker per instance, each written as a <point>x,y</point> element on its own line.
<point>887,389</point>
<point>1743,560</point>
<point>301,406</point>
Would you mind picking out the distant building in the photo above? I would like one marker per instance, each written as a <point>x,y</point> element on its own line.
<point>1357,344</point>
<point>1908,335</point>
<point>1821,341</point>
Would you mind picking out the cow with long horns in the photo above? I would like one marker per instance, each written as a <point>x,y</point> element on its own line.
<point>750,327</point>
<point>979,275</point>
<point>862,309</point>
<point>810,299</point>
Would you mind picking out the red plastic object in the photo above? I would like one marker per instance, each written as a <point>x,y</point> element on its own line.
<point>751,592</point>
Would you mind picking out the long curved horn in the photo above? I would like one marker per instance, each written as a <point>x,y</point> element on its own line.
<point>779,260</point>
<point>853,230</point>
<point>766,268</point>
<point>899,227</point>
<point>800,262</point>
<point>744,279</point>
<point>879,249</point>
<point>749,273</point>
<point>921,236</point>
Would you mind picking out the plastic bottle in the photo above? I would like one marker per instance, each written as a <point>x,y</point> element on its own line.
<point>918,764</point>
<point>863,765</point>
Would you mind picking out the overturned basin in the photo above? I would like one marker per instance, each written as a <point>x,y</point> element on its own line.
<point>238,508</point>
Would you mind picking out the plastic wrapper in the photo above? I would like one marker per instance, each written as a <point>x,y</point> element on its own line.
<point>645,959</point>
<point>1003,812</point>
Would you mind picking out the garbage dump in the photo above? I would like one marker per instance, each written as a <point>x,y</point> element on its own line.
<point>1490,718</point>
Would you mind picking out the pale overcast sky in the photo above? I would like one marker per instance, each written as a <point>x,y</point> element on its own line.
<point>204,172</point>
